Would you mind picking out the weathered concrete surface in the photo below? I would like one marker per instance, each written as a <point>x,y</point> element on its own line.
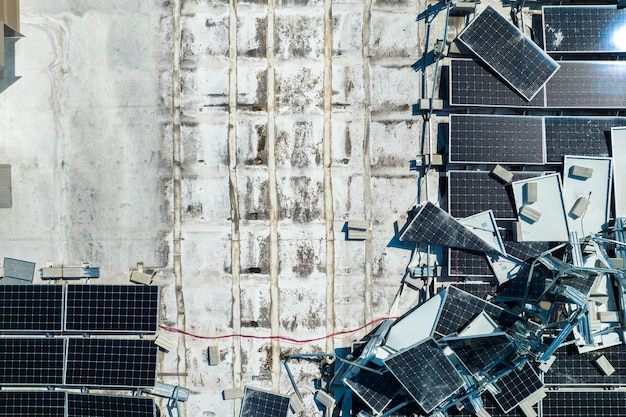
<point>89,131</point>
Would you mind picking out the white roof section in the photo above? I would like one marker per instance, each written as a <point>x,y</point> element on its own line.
<point>618,145</point>
<point>551,226</point>
<point>596,189</point>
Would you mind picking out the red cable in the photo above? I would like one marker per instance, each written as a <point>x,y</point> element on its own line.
<point>281,338</point>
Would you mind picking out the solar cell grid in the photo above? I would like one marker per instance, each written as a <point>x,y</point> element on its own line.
<point>500,45</point>
<point>517,386</point>
<point>572,368</point>
<point>377,391</point>
<point>584,29</point>
<point>34,308</point>
<point>480,353</point>
<point>478,289</point>
<point>111,363</point>
<point>80,405</point>
<point>463,263</point>
<point>32,404</point>
<point>259,403</point>
<point>31,361</point>
<point>496,139</point>
<point>112,308</point>
<point>472,84</point>
<point>584,404</point>
<point>490,407</point>
<point>587,136</point>
<point>426,373</point>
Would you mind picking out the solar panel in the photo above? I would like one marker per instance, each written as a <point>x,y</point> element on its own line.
<point>462,263</point>
<point>516,386</point>
<point>473,84</point>
<point>588,84</point>
<point>482,352</point>
<point>31,308</point>
<point>586,136</point>
<point>259,403</point>
<point>478,289</point>
<point>496,139</point>
<point>471,192</point>
<point>433,225</point>
<point>81,405</point>
<point>111,363</point>
<point>460,308</point>
<point>584,29</point>
<point>31,361</point>
<point>32,404</point>
<point>377,391</point>
<point>510,54</point>
<point>490,407</point>
<point>426,373</point>
<point>112,308</point>
<point>572,368</point>
<point>584,404</point>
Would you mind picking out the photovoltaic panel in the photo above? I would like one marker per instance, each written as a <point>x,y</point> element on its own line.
<point>259,403</point>
<point>426,373</point>
<point>508,52</point>
<point>82,405</point>
<point>572,368</point>
<point>473,84</point>
<point>433,225</point>
<point>31,361</point>
<point>496,139</point>
<point>464,263</point>
<point>481,352</point>
<point>478,289</point>
<point>112,308</point>
<point>584,29</point>
<point>490,407</point>
<point>588,84</point>
<point>516,386</point>
<point>111,363</point>
<point>31,308</point>
<point>471,192</point>
<point>377,391</point>
<point>32,404</point>
<point>460,308</point>
<point>584,404</point>
<point>583,136</point>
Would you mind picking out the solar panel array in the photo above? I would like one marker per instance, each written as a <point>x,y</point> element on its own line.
<point>471,192</point>
<point>112,308</point>
<point>489,139</point>
<point>426,373</point>
<point>259,403</point>
<point>596,29</point>
<point>572,368</point>
<point>516,386</point>
<point>577,84</point>
<point>377,391</point>
<point>433,225</point>
<point>502,47</point>
<point>61,404</point>
<point>480,353</point>
<point>584,404</point>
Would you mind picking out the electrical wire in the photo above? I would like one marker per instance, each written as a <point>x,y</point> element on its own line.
<point>285,339</point>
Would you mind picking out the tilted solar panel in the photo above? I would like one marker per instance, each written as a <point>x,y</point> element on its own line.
<point>82,405</point>
<point>32,404</point>
<point>31,308</point>
<point>31,361</point>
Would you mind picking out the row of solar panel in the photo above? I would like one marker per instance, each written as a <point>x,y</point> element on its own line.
<point>475,138</point>
<point>75,362</point>
<point>577,84</point>
<point>79,308</point>
<point>62,404</point>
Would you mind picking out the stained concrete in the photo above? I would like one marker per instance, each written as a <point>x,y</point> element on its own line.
<point>267,151</point>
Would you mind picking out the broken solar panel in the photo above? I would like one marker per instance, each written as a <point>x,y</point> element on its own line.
<point>463,263</point>
<point>496,139</point>
<point>587,136</point>
<point>516,386</point>
<point>480,353</point>
<point>260,403</point>
<point>460,308</point>
<point>584,29</point>
<point>32,404</point>
<point>426,373</point>
<point>478,289</point>
<point>588,84</point>
<point>377,391</point>
<point>471,192</point>
<point>490,406</point>
<point>584,404</point>
<point>508,52</point>
<point>473,84</point>
<point>433,225</point>
<point>573,368</point>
